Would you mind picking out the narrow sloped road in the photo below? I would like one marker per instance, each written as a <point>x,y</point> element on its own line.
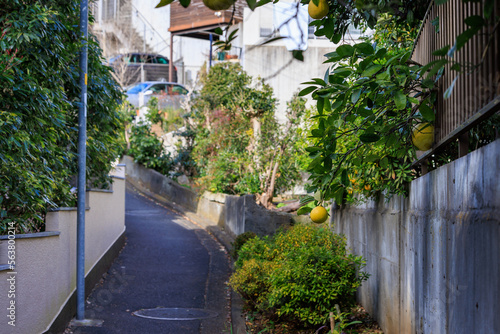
<point>168,262</point>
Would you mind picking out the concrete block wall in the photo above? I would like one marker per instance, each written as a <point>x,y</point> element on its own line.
<point>45,263</point>
<point>434,257</point>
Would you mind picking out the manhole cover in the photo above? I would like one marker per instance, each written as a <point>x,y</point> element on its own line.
<point>175,313</point>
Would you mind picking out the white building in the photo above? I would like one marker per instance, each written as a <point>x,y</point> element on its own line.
<point>136,26</point>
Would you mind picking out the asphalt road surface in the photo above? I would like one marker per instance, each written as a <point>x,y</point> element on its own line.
<point>169,264</point>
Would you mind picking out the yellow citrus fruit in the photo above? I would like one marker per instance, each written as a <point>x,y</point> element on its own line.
<point>319,215</point>
<point>218,4</point>
<point>319,11</point>
<point>423,136</point>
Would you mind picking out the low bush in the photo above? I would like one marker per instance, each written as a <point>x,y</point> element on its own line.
<point>240,241</point>
<point>298,275</point>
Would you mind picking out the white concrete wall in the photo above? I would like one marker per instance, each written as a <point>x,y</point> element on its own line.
<point>434,258</point>
<point>45,272</point>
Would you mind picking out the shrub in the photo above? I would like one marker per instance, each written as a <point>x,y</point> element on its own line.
<point>148,150</point>
<point>240,241</point>
<point>39,103</point>
<point>298,276</point>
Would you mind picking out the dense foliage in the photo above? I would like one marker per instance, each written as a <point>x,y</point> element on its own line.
<point>371,100</point>
<point>147,149</point>
<point>237,135</point>
<point>39,105</point>
<point>367,107</point>
<point>298,276</point>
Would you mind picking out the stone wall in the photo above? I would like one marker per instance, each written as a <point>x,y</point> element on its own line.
<point>434,257</point>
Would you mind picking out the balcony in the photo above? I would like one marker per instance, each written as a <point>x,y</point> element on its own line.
<point>198,21</point>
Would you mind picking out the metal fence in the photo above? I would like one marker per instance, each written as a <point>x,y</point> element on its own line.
<point>476,93</point>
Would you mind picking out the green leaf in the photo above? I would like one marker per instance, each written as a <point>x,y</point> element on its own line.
<point>345,50</point>
<point>400,100</point>
<point>164,3</point>
<point>298,54</point>
<point>426,111</point>
<point>488,8</point>
<point>318,196</point>
<point>441,52</point>
<point>320,105</point>
<point>437,66</point>
<point>356,161</point>
<point>313,149</point>
<point>369,137</point>
<point>218,31</point>
<point>456,67</point>
<point>336,38</point>
<point>371,70</point>
<point>428,83</point>
<point>371,158</point>
<point>319,159</point>
<point>344,178</point>
<point>185,3</point>
<point>475,21</point>
<point>263,2</point>
<point>304,210</point>
<point>435,23</point>
<point>306,199</point>
<point>342,71</point>
<point>464,37</point>
<point>307,90</point>
<point>440,2</point>
<point>384,162</point>
<point>327,106</point>
<point>355,95</point>
<point>337,104</point>
<point>252,4</point>
<point>381,53</point>
<point>364,48</point>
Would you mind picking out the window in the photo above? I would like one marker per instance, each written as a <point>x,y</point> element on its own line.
<point>137,88</point>
<point>158,88</point>
<point>178,90</point>
<point>161,60</point>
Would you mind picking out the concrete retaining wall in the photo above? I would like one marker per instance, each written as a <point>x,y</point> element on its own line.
<point>434,258</point>
<point>235,214</point>
<point>45,263</point>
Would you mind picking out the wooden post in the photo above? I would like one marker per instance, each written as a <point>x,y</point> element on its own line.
<point>463,145</point>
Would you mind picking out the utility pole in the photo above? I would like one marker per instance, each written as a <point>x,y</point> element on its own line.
<point>82,155</point>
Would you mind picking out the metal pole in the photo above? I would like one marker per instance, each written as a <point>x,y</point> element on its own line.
<point>171,61</point>
<point>82,154</point>
<point>210,54</point>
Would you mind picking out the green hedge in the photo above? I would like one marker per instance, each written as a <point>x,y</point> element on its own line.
<point>39,100</point>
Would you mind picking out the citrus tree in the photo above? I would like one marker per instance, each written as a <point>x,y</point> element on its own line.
<point>372,97</point>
